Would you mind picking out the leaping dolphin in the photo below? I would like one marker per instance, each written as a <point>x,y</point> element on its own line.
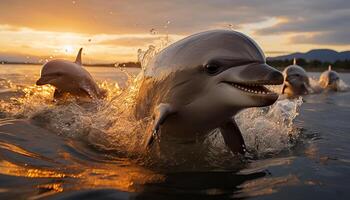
<point>329,79</point>
<point>69,77</point>
<point>199,83</point>
<point>296,81</point>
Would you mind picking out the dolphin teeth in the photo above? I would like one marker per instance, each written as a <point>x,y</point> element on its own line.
<point>251,88</point>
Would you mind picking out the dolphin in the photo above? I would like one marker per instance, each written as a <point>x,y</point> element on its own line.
<point>329,79</point>
<point>296,81</point>
<point>69,77</point>
<point>199,83</point>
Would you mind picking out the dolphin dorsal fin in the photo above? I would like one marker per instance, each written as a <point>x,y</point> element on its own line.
<point>78,59</point>
<point>329,67</point>
<point>294,61</point>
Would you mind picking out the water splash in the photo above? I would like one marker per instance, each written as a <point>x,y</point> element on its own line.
<point>270,130</point>
<point>145,56</point>
<point>109,124</point>
<point>342,86</point>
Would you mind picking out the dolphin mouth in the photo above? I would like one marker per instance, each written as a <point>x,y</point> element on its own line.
<point>44,80</point>
<point>252,88</point>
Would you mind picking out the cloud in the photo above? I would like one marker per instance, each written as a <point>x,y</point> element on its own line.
<point>331,37</point>
<point>130,41</point>
<point>277,52</point>
<point>318,26</point>
<point>338,20</point>
<point>316,22</point>
<point>104,16</point>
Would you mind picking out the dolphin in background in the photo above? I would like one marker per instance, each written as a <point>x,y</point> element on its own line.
<point>69,77</point>
<point>329,79</point>
<point>199,83</point>
<point>296,81</point>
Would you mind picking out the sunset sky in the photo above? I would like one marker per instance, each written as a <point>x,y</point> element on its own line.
<point>113,30</point>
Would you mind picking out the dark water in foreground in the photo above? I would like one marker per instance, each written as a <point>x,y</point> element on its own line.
<point>36,163</point>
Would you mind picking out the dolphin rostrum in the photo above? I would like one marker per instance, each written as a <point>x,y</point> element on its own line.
<point>199,83</point>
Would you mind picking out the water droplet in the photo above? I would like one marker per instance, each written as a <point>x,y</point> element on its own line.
<point>153,31</point>
<point>231,26</point>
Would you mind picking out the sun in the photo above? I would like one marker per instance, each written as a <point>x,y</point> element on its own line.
<point>68,49</point>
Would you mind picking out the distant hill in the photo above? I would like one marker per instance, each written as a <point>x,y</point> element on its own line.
<point>323,55</point>
<point>18,58</point>
<point>7,58</point>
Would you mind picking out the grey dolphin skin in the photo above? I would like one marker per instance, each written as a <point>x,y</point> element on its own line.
<point>329,80</point>
<point>296,81</point>
<point>69,77</point>
<point>199,83</point>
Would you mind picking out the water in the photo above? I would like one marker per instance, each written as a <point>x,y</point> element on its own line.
<point>73,150</point>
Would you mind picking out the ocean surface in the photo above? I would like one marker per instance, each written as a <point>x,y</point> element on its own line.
<point>297,149</point>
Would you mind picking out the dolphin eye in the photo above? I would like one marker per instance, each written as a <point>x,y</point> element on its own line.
<point>211,69</point>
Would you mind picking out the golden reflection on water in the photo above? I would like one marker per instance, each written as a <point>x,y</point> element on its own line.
<point>264,164</point>
<point>122,178</point>
<point>18,150</point>
<point>266,186</point>
<point>47,190</point>
<point>57,187</point>
<point>107,175</point>
<point>8,168</point>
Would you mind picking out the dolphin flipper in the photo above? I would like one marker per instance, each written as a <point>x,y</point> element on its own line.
<point>233,137</point>
<point>161,113</point>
